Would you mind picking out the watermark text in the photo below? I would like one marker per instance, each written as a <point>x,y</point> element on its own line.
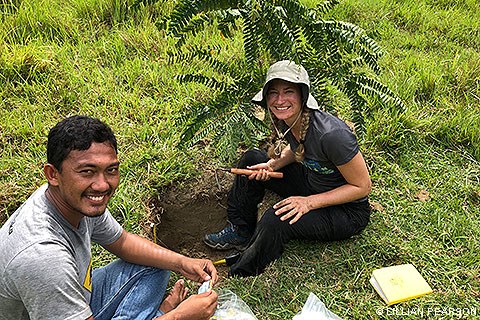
<point>433,312</point>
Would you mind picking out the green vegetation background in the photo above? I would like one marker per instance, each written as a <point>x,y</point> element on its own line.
<point>101,58</point>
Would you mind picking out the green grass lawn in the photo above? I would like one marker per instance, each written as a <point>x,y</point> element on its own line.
<point>104,59</point>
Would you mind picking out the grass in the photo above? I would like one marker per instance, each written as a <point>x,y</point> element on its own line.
<point>104,59</point>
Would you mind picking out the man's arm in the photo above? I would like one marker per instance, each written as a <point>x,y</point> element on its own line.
<point>138,250</point>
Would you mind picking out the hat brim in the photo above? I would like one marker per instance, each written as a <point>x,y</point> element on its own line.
<point>311,102</point>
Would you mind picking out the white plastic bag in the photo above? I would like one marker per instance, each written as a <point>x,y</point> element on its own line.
<point>231,307</point>
<point>315,309</point>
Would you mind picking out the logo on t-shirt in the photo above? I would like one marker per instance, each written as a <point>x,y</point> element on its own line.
<point>87,284</point>
<point>317,167</point>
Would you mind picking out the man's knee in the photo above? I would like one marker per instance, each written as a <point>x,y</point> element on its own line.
<point>159,276</point>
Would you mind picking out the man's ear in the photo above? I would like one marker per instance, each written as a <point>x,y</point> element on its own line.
<point>51,173</point>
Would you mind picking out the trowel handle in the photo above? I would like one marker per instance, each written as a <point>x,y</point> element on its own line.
<point>271,174</point>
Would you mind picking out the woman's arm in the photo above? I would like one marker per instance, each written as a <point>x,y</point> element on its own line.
<point>285,158</point>
<point>358,186</point>
<point>262,169</point>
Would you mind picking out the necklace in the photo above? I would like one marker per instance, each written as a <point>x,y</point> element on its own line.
<point>281,143</point>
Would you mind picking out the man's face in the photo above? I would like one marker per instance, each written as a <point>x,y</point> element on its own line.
<point>86,182</point>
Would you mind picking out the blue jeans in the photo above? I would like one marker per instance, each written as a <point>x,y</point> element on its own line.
<point>122,290</point>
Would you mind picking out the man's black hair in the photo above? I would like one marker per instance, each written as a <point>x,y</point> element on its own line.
<point>76,133</point>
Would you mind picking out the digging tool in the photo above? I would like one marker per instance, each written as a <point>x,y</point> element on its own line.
<point>271,174</point>
<point>228,260</point>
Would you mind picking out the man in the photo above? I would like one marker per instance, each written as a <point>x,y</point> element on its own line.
<point>45,260</point>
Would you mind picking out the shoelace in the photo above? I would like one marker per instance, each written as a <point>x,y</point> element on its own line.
<point>226,230</point>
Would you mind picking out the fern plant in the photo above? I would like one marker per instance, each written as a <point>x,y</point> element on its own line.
<point>339,57</point>
<point>228,119</point>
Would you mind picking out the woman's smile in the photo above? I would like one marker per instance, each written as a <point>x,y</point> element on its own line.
<point>284,100</point>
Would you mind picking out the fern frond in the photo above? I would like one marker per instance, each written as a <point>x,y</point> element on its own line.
<point>206,55</point>
<point>186,10</point>
<point>358,104</point>
<point>205,122</point>
<point>280,38</point>
<point>206,81</point>
<point>372,87</point>
<point>352,37</point>
<point>326,6</point>
<point>250,39</point>
<point>194,27</point>
<point>181,16</point>
<point>295,11</point>
<point>227,20</point>
<point>366,58</point>
<point>237,131</point>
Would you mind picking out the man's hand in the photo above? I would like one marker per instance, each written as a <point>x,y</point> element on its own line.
<point>199,306</point>
<point>199,270</point>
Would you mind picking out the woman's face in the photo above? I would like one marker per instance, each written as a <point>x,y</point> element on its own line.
<point>284,99</point>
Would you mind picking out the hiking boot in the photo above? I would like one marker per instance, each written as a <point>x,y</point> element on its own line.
<point>228,238</point>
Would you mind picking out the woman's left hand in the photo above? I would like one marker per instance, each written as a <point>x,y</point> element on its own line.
<point>292,207</point>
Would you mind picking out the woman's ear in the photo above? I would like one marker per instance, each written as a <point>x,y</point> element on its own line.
<point>51,173</point>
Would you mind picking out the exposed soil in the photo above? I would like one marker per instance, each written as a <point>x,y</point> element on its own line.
<point>185,213</point>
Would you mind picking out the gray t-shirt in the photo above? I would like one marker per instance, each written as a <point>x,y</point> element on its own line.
<point>45,263</point>
<point>329,143</point>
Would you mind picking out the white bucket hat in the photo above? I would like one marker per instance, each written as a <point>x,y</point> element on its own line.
<point>289,71</point>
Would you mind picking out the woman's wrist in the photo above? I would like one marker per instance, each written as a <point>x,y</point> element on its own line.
<point>271,164</point>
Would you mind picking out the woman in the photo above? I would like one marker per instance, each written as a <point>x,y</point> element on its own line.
<point>325,183</point>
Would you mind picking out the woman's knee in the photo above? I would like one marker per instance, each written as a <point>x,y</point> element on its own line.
<point>271,223</point>
<point>252,157</point>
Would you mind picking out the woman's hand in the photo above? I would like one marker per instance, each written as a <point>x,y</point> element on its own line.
<point>260,171</point>
<point>292,207</point>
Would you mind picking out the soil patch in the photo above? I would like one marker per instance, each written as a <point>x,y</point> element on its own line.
<point>183,214</point>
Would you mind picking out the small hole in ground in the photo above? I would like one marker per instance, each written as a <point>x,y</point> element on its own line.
<point>184,214</point>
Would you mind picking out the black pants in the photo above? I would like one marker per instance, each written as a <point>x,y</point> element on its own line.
<point>270,234</point>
